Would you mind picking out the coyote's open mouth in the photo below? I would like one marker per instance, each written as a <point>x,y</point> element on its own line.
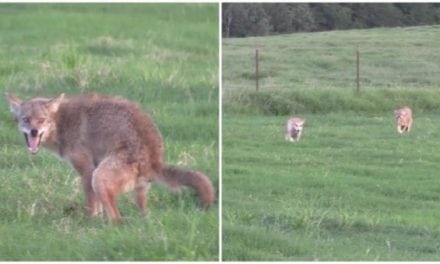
<point>33,141</point>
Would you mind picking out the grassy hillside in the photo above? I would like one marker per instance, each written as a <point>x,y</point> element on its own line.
<point>163,56</point>
<point>295,67</point>
<point>352,188</point>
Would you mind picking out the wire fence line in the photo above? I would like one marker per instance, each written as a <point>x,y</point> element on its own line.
<point>352,66</point>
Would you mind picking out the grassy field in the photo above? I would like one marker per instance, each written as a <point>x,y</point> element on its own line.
<point>389,58</point>
<point>163,56</point>
<point>352,188</point>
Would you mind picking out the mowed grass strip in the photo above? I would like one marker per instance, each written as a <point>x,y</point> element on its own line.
<point>162,56</point>
<point>351,189</point>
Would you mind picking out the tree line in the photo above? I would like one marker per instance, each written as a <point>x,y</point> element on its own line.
<point>259,19</point>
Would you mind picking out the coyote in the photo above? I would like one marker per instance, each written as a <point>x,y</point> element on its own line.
<point>110,142</point>
<point>404,119</point>
<point>294,128</point>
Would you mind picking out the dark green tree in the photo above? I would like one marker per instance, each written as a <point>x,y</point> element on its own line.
<point>256,19</point>
<point>367,15</point>
<point>287,18</point>
<point>332,16</point>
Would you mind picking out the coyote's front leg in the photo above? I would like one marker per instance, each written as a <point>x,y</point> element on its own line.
<point>83,164</point>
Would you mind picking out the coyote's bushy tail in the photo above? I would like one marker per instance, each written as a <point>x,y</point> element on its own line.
<point>176,177</point>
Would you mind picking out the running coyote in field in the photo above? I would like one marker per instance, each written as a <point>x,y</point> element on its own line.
<point>294,129</point>
<point>404,119</point>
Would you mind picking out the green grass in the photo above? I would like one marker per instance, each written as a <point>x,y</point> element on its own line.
<point>352,188</point>
<point>163,56</point>
<point>389,59</point>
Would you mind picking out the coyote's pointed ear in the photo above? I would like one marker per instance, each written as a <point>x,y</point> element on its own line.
<point>54,103</point>
<point>14,103</point>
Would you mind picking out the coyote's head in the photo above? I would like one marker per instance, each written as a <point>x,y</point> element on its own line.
<point>402,116</point>
<point>35,118</point>
<point>297,124</point>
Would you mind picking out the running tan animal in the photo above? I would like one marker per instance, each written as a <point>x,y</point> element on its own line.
<point>404,119</point>
<point>294,129</point>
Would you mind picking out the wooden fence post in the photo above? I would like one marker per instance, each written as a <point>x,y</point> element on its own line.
<point>257,73</point>
<point>358,86</point>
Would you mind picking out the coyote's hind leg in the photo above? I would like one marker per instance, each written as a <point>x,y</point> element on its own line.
<point>110,178</point>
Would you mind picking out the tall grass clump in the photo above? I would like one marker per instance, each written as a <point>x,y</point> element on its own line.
<point>324,101</point>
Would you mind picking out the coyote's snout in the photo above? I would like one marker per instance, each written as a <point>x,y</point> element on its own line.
<point>33,139</point>
<point>109,141</point>
<point>294,129</point>
<point>404,119</point>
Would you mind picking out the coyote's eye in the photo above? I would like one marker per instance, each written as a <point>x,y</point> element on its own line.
<point>26,120</point>
<point>40,120</point>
